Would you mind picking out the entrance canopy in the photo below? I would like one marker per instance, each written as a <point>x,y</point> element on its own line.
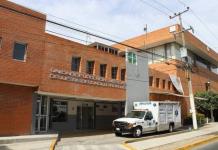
<point>89,98</point>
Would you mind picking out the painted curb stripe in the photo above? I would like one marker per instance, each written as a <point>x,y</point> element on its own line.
<point>53,143</point>
<point>199,142</point>
<point>127,146</point>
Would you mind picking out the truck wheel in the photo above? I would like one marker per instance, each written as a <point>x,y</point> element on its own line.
<point>171,128</point>
<point>137,132</point>
<point>118,134</point>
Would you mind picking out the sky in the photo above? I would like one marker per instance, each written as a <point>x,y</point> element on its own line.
<point>124,19</point>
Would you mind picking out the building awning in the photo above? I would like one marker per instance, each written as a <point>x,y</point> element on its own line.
<point>167,93</point>
<point>178,95</point>
<point>78,97</point>
<point>177,83</point>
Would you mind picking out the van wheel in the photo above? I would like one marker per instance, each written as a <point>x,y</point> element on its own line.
<point>118,134</point>
<point>171,128</point>
<point>137,132</point>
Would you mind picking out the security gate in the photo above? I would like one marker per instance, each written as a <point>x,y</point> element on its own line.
<point>42,114</point>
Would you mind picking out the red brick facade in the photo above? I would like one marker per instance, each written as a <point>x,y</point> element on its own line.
<point>19,80</point>
<point>16,109</point>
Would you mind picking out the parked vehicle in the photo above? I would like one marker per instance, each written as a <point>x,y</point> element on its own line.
<point>149,117</point>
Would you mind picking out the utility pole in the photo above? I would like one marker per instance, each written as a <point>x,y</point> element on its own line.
<point>187,67</point>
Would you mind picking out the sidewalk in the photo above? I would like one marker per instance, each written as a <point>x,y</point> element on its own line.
<point>27,142</point>
<point>183,138</point>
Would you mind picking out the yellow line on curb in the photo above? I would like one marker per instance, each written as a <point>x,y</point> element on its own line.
<point>199,142</point>
<point>53,143</point>
<point>128,147</point>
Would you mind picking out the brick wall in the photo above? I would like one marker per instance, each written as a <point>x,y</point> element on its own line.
<point>15,27</point>
<point>59,53</point>
<point>16,109</point>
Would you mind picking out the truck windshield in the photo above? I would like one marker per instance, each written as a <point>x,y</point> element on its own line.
<point>136,114</point>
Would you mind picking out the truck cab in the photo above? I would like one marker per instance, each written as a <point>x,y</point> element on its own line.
<point>136,122</point>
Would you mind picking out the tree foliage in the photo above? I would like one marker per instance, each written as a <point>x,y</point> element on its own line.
<point>210,102</point>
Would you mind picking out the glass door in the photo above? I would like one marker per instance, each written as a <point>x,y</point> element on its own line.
<point>42,114</point>
<point>85,116</point>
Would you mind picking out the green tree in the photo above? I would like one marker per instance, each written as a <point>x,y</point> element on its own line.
<point>209,102</point>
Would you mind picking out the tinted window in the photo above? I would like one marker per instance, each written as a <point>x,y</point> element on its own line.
<point>0,42</point>
<point>123,74</point>
<point>148,116</point>
<point>58,111</point>
<point>151,81</point>
<point>90,67</point>
<point>19,51</point>
<point>75,65</point>
<point>103,68</point>
<point>136,114</point>
<point>131,57</point>
<point>114,72</point>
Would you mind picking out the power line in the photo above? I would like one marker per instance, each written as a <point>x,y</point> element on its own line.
<point>149,4</point>
<point>68,36</point>
<point>170,10</point>
<point>199,19</point>
<point>85,26</point>
<point>82,31</point>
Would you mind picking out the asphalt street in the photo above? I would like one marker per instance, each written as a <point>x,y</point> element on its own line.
<point>210,146</point>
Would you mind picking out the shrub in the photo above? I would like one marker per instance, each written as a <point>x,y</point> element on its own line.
<point>200,119</point>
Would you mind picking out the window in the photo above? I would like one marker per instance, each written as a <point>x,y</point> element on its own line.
<point>151,81</point>
<point>75,65</point>
<point>114,72</point>
<point>164,84</point>
<point>0,42</point>
<point>58,111</point>
<point>148,116</point>
<point>131,57</point>
<point>90,67</point>
<point>169,85</point>
<point>157,82</point>
<point>19,52</point>
<point>103,69</point>
<point>123,74</point>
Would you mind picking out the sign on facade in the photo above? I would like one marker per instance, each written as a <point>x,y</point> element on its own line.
<point>77,77</point>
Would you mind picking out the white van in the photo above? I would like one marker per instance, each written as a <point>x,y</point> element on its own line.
<point>149,117</point>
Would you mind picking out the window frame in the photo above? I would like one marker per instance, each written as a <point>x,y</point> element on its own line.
<point>1,42</point>
<point>92,67</point>
<point>132,58</point>
<point>163,84</point>
<point>25,51</point>
<point>157,82</point>
<point>123,77</point>
<point>78,67</point>
<point>100,71</point>
<point>169,85</point>
<point>116,68</point>
<point>151,80</point>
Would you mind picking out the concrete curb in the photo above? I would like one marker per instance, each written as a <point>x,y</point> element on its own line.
<point>27,138</point>
<point>129,147</point>
<point>155,136</point>
<point>199,142</point>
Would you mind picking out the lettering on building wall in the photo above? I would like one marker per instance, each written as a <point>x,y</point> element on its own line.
<point>71,76</point>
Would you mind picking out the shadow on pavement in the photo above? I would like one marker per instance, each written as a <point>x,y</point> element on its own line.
<point>3,147</point>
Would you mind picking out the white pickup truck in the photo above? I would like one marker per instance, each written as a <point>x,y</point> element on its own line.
<point>149,117</point>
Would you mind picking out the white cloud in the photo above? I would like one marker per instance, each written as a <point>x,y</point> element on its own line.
<point>126,18</point>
